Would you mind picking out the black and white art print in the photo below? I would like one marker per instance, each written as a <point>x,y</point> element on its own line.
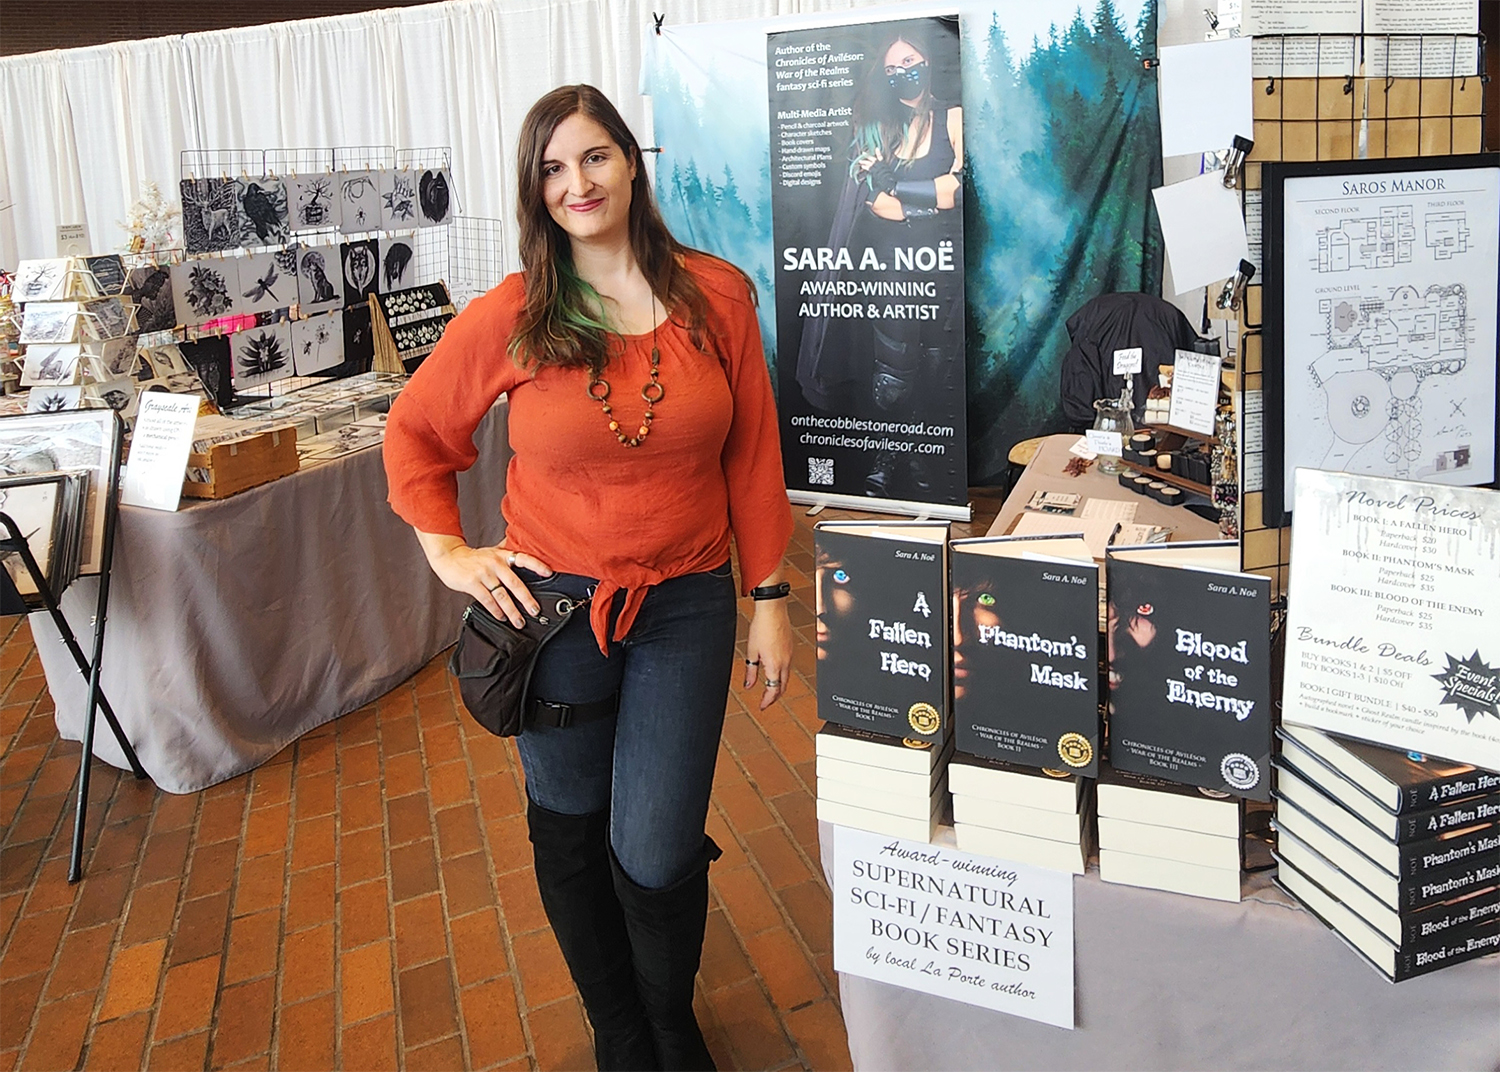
<point>314,202</point>
<point>40,280</point>
<point>150,288</point>
<point>108,318</point>
<point>262,354</point>
<point>50,365</point>
<point>210,215</point>
<point>318,343</point>
<point>32,502</point>
<point>359,208</point>
<point>210,359</point>
<point>119,394</point>
<point>359,339</point>
<point>361,266</point>
<point>398,264</point>
<point>83,440</point>
<point>204,290</point>
<point>50,322</point>
<point>265,285</point>
<point>398,199</point>
<point>54,399</point>
<point>117,356</point>
<point>319,279</point>
<point>166,361</point>
<point>107,273</point>
<point>434,197</point>
<point>264,219</point>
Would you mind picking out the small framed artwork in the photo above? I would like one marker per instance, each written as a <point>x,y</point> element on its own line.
<point>314,201</point>
<point>1382,285</point>
<point>34,504</point>
<point>75,439</point>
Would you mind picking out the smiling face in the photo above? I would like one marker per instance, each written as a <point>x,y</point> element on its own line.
<point>586,181</point>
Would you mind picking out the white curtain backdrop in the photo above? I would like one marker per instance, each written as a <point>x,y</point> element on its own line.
<point>82,129</point>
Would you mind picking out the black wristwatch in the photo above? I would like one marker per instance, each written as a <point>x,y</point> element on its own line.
<point>771,591</point>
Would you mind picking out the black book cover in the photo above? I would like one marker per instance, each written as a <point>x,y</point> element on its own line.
<point>1422,781</point>
<point>1407,963</point>
<point>882,632</point>
<point>1413,893</point>
<point>1189,674</point>
<point>1408,825</point>
<point>1025,660</point>
<point>1472,914</point>
<point>1417,860</point>
<point>1455,816</point>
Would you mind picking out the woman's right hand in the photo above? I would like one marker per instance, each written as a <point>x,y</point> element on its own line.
<point>486,574</point>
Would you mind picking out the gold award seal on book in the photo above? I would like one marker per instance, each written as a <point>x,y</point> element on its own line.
<point>924,718</point>
<point>1075,750</point>
<point>912,742</point>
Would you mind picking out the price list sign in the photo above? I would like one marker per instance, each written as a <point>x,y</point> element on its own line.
<point>1393,630</point>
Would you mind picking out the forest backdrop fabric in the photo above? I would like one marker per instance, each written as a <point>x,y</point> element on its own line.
<point>1062,149</point>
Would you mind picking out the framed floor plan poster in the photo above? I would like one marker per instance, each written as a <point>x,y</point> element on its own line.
<point>1393,615</point>
<point>1381,284</point>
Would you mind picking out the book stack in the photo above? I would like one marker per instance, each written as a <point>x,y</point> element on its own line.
<point>1018,813</point>
<point>1167,836</point>
<point>888,785</point>
<point>1396,852</point>
<point>883,675</point>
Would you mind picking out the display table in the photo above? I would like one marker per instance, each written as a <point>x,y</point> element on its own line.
<point>1166,981</point>
<point>236,626</point>
<point>1045,473</point>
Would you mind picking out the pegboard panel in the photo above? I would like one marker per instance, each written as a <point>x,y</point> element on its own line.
<point>1412,95</point>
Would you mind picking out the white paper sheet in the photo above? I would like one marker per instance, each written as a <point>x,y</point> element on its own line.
<point>1203,230</point>
<point>1303,57</point>
<point>1109,509</point>
<point>1195,391</point>
<point>159,450</point>
<point>1205,95</point>
<point>1300,16</point>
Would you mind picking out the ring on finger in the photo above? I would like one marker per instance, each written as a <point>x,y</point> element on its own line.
<point>510,560</point>
<point>492,589</point>
<point>772,684</point>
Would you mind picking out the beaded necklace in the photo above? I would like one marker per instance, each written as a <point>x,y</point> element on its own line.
<point>652,393</point>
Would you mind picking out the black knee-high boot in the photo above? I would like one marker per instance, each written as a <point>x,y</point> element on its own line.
<point>666,941</point>
<point>574,877</point>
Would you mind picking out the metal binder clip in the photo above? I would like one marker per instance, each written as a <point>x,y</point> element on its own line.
<point>1233,293</point>
<point>1234,167</point>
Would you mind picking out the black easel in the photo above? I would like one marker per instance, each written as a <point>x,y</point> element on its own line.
<point>15,541</point>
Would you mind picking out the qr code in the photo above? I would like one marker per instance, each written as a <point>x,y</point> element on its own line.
<point>820,470</point>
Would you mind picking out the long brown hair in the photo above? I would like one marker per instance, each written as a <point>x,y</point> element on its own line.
<point>560,323</point>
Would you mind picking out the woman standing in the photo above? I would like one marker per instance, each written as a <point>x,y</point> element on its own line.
<point>644,436</point>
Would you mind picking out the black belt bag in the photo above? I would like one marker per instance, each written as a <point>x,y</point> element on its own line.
<point>494,661</point>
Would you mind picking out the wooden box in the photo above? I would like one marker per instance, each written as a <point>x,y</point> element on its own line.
<point>232,467</point>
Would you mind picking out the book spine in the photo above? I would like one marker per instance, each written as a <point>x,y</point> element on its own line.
<point>1436,925</point>
<point>1410,964</point>
<point>1441,791</point>
<point>1448,884</point>
<point>1422,858</point>
<point>1455,816</point>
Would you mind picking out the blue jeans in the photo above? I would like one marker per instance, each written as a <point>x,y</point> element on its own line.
<point>652,765</point>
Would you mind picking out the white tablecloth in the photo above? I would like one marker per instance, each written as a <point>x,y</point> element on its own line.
<point>1172,982</point>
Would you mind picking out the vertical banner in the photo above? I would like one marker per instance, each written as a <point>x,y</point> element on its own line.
<point>866,124</point>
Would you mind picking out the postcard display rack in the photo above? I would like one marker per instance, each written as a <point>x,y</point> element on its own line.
<point>66,527</point>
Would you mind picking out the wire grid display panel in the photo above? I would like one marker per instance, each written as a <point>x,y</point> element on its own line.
<point>1334,118</point>
<point>476,257</point>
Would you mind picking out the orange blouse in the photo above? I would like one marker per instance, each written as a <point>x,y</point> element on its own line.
<point>574,496</point>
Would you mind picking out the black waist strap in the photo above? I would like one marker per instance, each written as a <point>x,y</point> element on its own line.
<point>560,715</point>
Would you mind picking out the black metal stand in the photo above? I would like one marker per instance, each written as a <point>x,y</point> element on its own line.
<point>90,669</point>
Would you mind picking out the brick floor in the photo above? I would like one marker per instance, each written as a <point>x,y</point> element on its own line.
<point>365,900</point>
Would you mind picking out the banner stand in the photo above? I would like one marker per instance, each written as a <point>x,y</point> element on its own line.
<point>918,510</point>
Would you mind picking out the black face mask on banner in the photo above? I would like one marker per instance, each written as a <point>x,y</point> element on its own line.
<point>907,83</point>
